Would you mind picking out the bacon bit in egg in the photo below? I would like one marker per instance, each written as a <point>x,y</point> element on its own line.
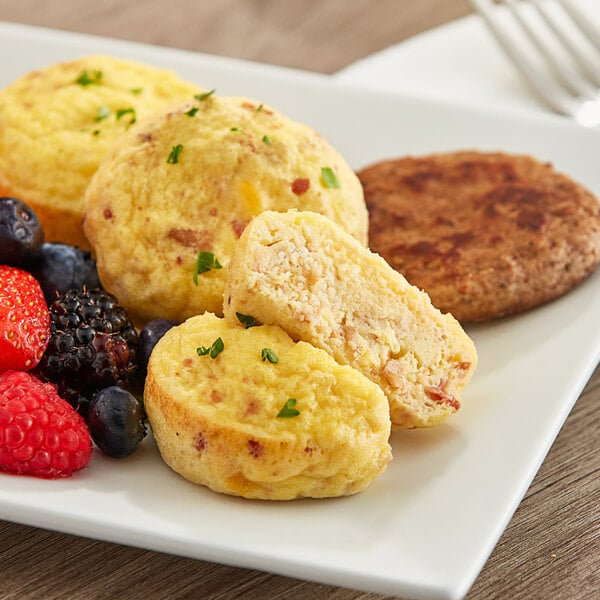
<point>255,448</point>
<point>463,367</point>
<point>300,185</point>
<point>253,408</point>
<point>439,395</point>
<point>394,374</point>
<point>192,238</point>
<point>200,442</point>
<point>238,226</point>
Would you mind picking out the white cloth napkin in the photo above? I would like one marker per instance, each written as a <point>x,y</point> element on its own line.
<point>459,61</point>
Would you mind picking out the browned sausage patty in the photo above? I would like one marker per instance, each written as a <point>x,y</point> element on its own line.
<point>485,234</point>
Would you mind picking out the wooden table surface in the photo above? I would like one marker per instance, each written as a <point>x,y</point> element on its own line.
<point>550,548</point>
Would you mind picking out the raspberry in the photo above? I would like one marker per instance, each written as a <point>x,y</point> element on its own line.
<point>24,320</point>
<point>92,345</point>
<point>40,433</point>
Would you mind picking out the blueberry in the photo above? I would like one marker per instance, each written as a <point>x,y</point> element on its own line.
<point>116,421</point>
<point>61,267</point>
<point>149,337</point>
<point>21,234</point>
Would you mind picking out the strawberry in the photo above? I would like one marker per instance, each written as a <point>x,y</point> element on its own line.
<point>40,433</point>
<point>24,320</point>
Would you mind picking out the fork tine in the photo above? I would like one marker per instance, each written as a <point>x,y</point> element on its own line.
<point>569,77</point>
<point>546,89</point>
<point>590,67</point>
<point>591,32</point>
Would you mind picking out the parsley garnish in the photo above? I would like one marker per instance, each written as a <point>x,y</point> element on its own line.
<point>121,112</point>
<point>288,411</point>
<point>192,112</point>
<point>136,91</point>
<point>236,129</point>
<point>174,154</point>
<point>258,108</point>
<point>246,320</point>
<point>267,140</point>
<point>103,113</point>
<point>268,354</point>
<point>204,95</point>
<point>329,178</point>
<point>205,261</point>
<point>89,78</point>
<point>214,350</point>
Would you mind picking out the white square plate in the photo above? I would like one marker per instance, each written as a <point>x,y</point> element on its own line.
<point>425,528</point>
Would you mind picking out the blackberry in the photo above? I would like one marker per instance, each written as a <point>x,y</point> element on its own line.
<point>93,345</point>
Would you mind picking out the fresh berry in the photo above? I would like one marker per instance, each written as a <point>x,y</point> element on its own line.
<point>116,421</point>
<point>61,267</point>
<point>21,234</point>
<point>149,336</point>
<point>24,320</point>
<point>92,345</point>
<point>40,433</point>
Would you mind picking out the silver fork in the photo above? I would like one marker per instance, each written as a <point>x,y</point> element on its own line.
<point>554,47</point>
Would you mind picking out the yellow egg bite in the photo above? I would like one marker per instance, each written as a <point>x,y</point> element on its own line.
<point>58,123</point>
<point>302,272</point>
<point>189,181</point>
<point>249,412</point>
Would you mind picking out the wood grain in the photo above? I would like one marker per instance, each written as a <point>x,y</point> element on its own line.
<point>318,35</point>
<point>550,548</point>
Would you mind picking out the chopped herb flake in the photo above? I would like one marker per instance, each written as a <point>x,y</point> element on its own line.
<point>192,112</point>
<point>89,78</point>
<point>136,91</point>
<point>258,108</point>
<point>329,178</point>
<point>103,113</point>
<point>288,411</point>
<point>213,351</point>
<point>174,154</point>
<point>246,320</point>
<point>268,354</point>
<point>204,95</point>
<point>205,261</point>
<point>121,112</point>
<point>267,140</point>
<point>237,129</point>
